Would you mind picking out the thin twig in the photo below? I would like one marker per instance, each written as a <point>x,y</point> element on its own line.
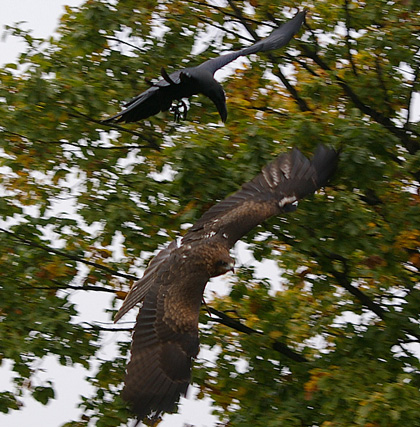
<point>348,38</point>
<point>67,256</point>
<point>126,43</point>
<point>151,145</point>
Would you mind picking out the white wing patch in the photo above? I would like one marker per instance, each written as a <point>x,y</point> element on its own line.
<point>286,200</point>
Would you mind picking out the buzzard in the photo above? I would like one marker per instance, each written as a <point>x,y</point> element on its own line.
<point>165,338</point>
<point>194,80</point>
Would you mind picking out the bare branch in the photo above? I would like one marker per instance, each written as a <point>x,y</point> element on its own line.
<point>126,43</point>
<point>240,16</point>
<point>97,327</point>
<point>343,280</point>
<point>348,38</point>
<point>67,256</point>
<point>300,101</point>
<point>226,320</point>
<point>142,136</point>
<point>224,12</point>
<point>219,27</point>
<point>90,147</point>
<point>411,145</point>
<point>382,83</point>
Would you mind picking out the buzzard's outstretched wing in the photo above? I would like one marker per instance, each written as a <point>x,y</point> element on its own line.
<point>285,180</point>
<point>165,337</point>
<point>142,286</point>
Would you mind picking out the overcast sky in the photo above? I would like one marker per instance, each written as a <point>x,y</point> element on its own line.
<point>42,17</point>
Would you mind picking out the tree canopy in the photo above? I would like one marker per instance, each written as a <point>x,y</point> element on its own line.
<point>84,204</point>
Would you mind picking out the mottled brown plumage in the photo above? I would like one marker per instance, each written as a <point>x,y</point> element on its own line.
<point>165,338</point>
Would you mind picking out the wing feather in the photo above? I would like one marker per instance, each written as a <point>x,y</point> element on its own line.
<point>142,286</point>
<point>165,338</point>
<point>157,98</point>
<point>279,37</point>
<point>285,180</point>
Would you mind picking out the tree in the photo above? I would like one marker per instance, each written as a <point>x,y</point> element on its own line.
<point>336,345</point>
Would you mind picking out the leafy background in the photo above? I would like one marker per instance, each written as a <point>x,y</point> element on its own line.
<point>84,206</point>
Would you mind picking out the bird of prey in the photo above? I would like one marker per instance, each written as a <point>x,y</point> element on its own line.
<point>194,80</point>
<point>165,338</point>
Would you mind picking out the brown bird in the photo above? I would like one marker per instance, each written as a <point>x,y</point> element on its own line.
<point>165,338</point>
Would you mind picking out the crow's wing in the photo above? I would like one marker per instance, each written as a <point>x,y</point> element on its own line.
<point>277,39</point>
<point>157,98</point>
<point>287,179</point>
<point>165,338</point>
<point>212,65</point>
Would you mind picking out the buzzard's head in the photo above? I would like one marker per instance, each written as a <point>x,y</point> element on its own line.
<point>223,265</point>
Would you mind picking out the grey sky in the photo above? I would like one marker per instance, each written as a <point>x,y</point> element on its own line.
<point>42,17</point>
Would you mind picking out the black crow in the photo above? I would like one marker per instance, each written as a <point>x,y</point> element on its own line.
<point>194,80</point>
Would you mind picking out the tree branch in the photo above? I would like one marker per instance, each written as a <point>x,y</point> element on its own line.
<point>219,27</point>
<point>382,83</point>
<point>344,282</point>
<point>411,145</point>
<point>151,145</point>
<point>226,320</point>
<point>242,19</point>
<point>90,147</point>
<point>300,101</point>
<point>223,11</point>
<point>116,39</point>
<point>104,328</point>
<point>68,256</point>
<point>61,286</point>
<point>347,37</point>
<point>41,141</point>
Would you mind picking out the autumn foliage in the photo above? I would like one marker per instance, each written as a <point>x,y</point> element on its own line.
<point>334,339</point>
